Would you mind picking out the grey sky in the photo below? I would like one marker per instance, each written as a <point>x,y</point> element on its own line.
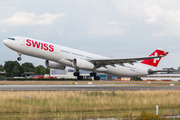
<point>114,28</point>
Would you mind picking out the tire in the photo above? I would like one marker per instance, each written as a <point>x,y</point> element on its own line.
<point>92,74</point>
<point>19,58</point>
<point>76,74</point>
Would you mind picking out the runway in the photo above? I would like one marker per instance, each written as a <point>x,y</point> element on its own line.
<point>122,87</point>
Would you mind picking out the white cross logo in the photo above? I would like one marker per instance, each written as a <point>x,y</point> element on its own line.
<point>156,59</point>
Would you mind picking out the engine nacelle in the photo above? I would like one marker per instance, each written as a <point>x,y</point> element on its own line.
<point>101,69</point>
<point>82,64</point>
<point>54,65</point>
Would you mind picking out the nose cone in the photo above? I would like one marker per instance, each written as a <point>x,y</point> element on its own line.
<point>8,43</point>
<point>5,42</point>
<point>11,43</point>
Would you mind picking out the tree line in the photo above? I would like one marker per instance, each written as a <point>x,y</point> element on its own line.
<point>13,68</point>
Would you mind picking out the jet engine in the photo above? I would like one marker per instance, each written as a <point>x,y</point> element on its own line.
<point>54,65</point>
<point>82,64</point>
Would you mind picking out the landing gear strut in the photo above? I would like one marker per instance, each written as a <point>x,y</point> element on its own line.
<point>94,75</point>
<point>19,58</point>
<point>77,73</point>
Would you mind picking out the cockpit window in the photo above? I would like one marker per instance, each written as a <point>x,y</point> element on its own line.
<point>11,38</point>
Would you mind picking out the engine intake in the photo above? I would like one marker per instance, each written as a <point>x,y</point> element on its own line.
<point>82,64</point>
<point>54,65</point>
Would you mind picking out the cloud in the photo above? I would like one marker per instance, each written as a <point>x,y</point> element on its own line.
<point>8,1</point>
<point>113,23</point>
<point>3,30</point>
<point>116,23</point>
<point>163,13</point>
<point>108,28</point>
<point>24,18</point>
<point>105,30</point>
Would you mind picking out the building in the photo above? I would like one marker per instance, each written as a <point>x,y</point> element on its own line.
<point>2,73</point>
<point>68,74</point>
<point>28,74</point>
<point>169,74</point>
<point>162,77</point>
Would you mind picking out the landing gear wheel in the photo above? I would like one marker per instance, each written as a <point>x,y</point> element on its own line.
<point>76,73</point>
<point>19,58</point>
<point>80,77</point>
<point>96,78</point>
<point>92,74</point>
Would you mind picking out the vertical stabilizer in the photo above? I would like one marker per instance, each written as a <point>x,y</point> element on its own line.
<point>154,62</point>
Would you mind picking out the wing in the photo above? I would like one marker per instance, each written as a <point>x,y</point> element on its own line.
<point>112,62</point>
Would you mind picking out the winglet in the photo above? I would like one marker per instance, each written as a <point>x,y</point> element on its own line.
<point>165,53</point>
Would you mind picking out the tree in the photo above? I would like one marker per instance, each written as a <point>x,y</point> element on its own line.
<point>9,66</point>
<point>13,68</point>
<point>47,70</point>
<point>15,71</point>
<point>28,67</point>
<point>1,68</point>
<point>40,70</point>
<point>178,68</point>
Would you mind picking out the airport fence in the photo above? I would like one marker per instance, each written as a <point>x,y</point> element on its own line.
<point>173,116</point>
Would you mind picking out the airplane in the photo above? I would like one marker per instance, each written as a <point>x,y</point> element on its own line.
<point>58,57</point>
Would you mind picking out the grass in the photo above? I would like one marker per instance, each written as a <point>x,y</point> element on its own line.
<point>84,104</point>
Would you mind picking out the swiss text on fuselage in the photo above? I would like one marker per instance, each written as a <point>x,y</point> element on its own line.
<point>40,45</point>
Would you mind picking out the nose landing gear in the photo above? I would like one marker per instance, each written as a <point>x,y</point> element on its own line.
<point>19,58</point>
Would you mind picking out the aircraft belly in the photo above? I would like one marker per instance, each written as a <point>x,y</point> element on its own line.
<point>40,53</point>
<point>122,71</point>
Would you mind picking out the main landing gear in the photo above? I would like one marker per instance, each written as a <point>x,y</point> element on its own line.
<point>94,75</point>
<point>19,58</point>
<point>77,73</point>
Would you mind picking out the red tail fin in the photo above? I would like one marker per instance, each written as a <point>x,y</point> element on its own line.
<point>155,62</point>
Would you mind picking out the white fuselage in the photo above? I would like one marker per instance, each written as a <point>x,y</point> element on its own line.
<point>61,54</point>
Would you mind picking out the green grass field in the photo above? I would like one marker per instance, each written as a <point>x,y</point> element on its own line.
<point>84,104</point>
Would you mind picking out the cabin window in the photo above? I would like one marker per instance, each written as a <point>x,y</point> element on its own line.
<point>64,51</point>
<point>88,57</point>
<point>78,54</point>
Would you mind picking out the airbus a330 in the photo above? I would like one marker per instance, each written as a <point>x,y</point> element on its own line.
<point>63,56</point>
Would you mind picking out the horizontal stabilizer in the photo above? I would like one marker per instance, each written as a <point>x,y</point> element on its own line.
<point>150,71</point>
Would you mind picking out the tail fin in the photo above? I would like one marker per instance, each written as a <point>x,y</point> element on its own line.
<point>155,62</point>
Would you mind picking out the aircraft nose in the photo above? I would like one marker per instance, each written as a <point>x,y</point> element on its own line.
<point>9,43</point>
<point>5,42</point>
